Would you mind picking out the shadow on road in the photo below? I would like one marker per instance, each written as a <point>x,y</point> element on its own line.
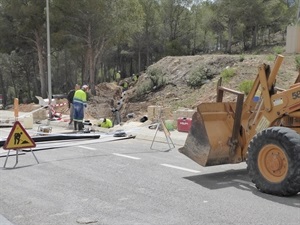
<point>240,180</point>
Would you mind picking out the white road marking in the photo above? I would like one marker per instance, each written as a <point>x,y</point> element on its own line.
<point>126,156</point>
<point>181,168</point>
<point>242,181</point>
<point>243,186</point>
<point>247,183</point>
<point>89,148</point>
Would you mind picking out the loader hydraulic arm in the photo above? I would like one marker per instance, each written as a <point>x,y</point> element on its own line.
<point>233,142</point>
<point>266,80</point>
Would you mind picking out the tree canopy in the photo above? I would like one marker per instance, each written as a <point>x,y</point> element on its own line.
<point>93,39</point>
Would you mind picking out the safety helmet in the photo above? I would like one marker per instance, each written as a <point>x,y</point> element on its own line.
<point>84,87</point>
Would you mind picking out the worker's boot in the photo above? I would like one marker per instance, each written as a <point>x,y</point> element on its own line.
<point>75,125</point>
<point>80,126</point>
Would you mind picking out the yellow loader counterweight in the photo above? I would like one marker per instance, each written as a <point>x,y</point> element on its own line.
<point>263,133</point>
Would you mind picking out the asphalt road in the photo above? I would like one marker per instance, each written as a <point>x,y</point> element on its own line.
<point>127,183</point>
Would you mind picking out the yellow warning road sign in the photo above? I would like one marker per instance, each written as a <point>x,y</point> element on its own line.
<point>18,138</point>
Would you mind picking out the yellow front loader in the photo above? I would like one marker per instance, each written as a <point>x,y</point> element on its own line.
<point>264,133</point>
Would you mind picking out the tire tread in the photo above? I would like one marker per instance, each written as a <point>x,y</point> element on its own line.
<point>290,140</point>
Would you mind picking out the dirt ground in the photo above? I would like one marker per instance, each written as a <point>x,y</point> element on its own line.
<point>177,94</point>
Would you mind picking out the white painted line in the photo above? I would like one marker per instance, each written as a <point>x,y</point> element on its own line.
<point>247,183</point>
<point>242,181</point>
<point>243,186</point>
<point>126,156</point>
<point>181,168</point>
<point>89,148</point>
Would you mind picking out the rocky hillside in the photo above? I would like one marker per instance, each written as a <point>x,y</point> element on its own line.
<point>177,72</point>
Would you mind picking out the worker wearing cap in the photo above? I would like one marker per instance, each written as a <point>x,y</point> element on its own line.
<point>134,77</point>
<point>106,123</point>
<point>79,103</point>
<point>118,76</point>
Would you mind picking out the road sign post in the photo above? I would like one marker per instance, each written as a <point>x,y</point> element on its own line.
<point>161,124</point>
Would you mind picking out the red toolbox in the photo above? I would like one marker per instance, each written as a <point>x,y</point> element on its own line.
<point>184,124</point>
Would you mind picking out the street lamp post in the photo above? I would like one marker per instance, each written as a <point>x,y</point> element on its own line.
<point>49,61</point>
<point>297,49</point>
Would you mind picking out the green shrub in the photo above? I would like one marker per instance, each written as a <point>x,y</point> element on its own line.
<point>278,49</point>
<point>155,81</point>
<point>157,77</point>
<point>242,58</point>
<point>228,73</point>
<point>246,86</point>
<point>198,77</point>
<point>144,88</point>
<point>270,58</point>
<point>297,61</point>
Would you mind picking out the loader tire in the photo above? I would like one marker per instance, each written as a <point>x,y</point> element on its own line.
<point>273,161</point>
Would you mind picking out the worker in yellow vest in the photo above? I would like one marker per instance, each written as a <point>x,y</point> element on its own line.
<point>106,123</point>
<point>134,77</point>
<point>79,103</point>
<point>125,86</point>
<point>118,77</point>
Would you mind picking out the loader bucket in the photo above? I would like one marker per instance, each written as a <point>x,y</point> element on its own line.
<point>208,140</point>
